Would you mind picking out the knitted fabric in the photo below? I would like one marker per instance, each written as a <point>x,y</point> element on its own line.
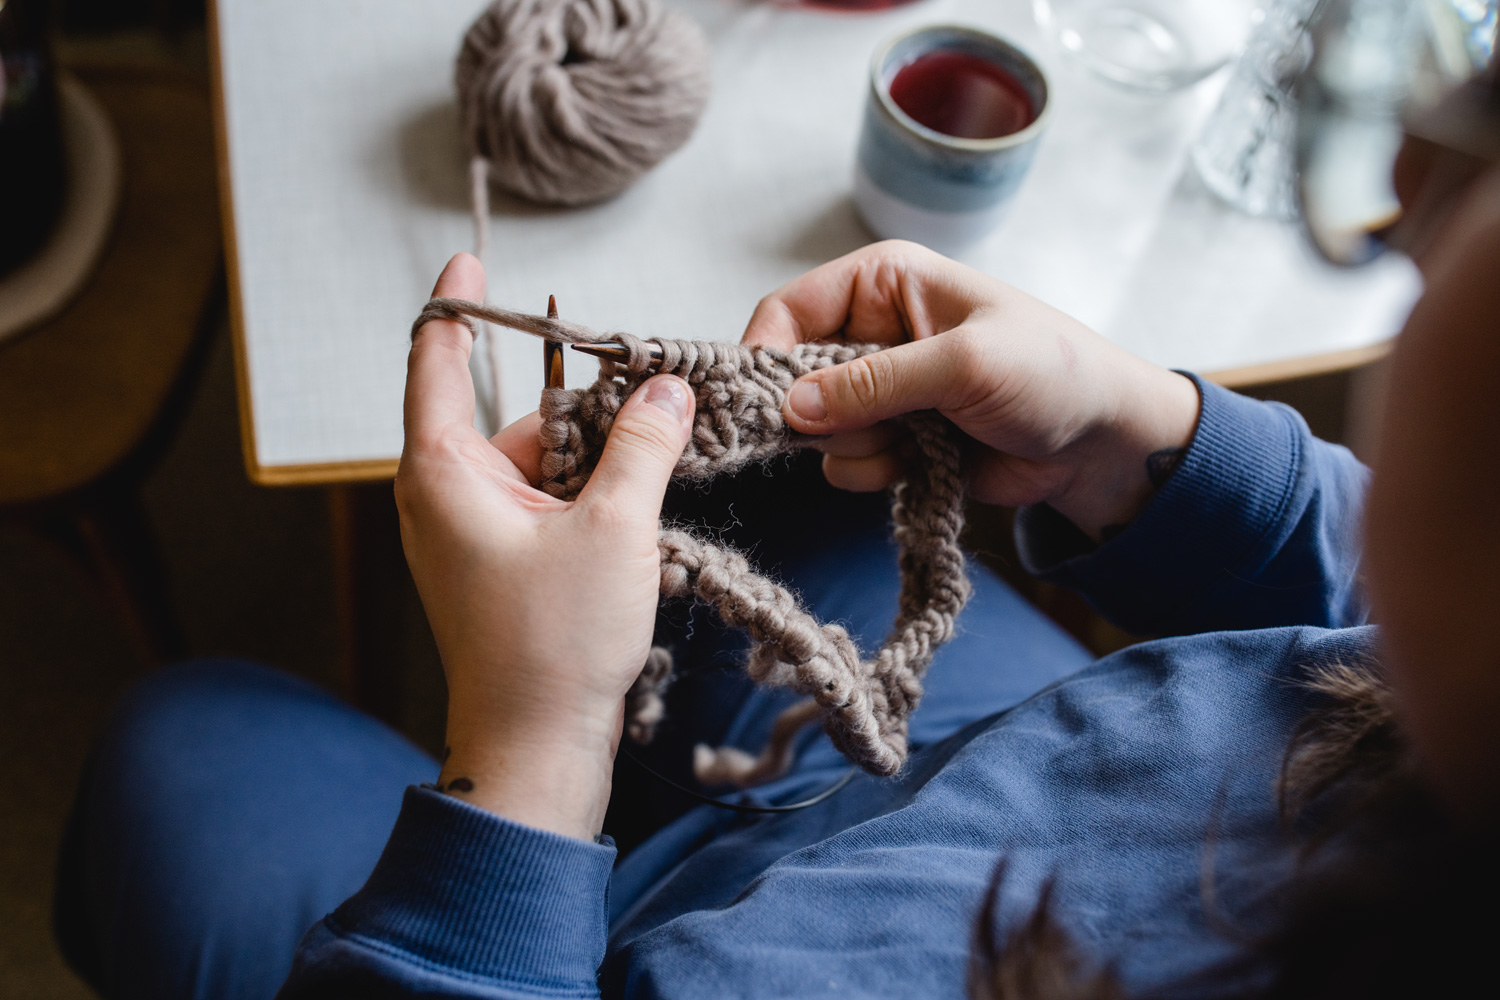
<point>864,704</point>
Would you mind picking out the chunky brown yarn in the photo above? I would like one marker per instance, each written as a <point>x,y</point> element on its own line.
<point>566,102</point>
<point>865,704</point>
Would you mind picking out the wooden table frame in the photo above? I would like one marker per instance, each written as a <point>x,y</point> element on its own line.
<point>75,459</point>
<point>374,470</point>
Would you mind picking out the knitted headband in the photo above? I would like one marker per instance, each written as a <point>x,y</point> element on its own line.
<point>864,704</point>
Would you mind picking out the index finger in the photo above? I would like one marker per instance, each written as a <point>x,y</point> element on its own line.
<point>439,390</point>
<point>883,294</point>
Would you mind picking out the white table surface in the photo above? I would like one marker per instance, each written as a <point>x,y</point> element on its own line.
<point>347,193</point>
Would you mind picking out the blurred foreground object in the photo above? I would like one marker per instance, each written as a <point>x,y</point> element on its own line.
<point>1360,65</point>
<point>1149,45</point>
<point>89,400</point>
<point>1383,71</point>
<point>31,153</point>
<point>1244,153</point>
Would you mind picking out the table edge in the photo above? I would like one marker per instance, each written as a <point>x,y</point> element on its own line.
<point>1312,365</point>
<point>322,473</point>
<point>261,474</point>
<point>374,470</point>
<point>377,469</point>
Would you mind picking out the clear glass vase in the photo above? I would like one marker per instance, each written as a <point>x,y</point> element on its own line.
<point>1244,153</point>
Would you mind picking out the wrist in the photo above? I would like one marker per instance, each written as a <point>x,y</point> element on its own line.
<point>555,780</point>
<point>1131,453</point>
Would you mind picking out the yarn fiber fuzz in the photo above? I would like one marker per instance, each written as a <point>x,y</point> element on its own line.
<point>864,704</point>
<point>569,101</point>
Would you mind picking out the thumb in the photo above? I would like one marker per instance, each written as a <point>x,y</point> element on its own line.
<point>644,445</point>
<point>926,374</point>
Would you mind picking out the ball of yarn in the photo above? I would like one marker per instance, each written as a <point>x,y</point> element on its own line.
<point>570,101</point>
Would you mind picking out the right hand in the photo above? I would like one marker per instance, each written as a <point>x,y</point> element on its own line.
<point>1060,415</point>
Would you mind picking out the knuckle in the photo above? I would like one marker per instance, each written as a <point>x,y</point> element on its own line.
<point>770,322</point>
<point>413,495</point>
<point>966,351</point>
<point>609,519</point>
<point>648,435</point>
<point>897,254</point>
<point>864,379</point>
<point>440,337</point>
<point>767,303</point>
<point>443,443</point>
<point>405,502</point>
<point>859,475</point>
<point>898,248</point>
<point>855,444</point>
<point>836,471</point>
<point>965,356</point>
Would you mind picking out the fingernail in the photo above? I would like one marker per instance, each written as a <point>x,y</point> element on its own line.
<point>668,394</point>
<point>806,400</point>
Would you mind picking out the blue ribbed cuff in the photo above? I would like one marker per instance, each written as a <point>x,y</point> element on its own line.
<point>1208,522</point>
<point>471,892</point>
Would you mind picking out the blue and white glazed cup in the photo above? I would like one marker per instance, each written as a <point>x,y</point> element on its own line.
<point>914,183</point>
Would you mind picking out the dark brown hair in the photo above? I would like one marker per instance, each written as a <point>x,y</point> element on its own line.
<point>1037,959</point>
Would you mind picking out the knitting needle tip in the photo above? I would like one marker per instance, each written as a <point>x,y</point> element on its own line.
<point>552,353</point>
<point>619,352</point>
<point>612,350</point>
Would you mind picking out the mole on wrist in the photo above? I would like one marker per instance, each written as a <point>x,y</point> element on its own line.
<point>1161,464</point>
<point>456,785</point>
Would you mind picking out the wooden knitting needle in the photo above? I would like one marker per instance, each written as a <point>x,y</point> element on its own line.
<point>615,350</point>
<point>552,352</point>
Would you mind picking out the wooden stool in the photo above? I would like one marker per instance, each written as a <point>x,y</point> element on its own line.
<point>90,400</point>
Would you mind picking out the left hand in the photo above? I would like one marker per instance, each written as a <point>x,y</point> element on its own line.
<point>542,609</point>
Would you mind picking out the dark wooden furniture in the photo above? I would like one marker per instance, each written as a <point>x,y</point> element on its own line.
<point>89,400</point>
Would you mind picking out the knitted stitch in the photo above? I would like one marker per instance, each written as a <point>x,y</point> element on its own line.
<point>865,704</point>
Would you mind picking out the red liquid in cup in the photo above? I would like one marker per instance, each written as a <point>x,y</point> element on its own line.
<point>962,95</point>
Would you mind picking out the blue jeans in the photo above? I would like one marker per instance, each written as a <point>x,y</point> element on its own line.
<point>228,806</point>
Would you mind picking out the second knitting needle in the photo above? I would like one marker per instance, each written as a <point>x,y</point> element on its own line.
<point>615,351</point>
<point>552,352</point>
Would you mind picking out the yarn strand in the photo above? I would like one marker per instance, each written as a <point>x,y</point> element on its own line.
<point>567,102</point>
<point>479,203</point>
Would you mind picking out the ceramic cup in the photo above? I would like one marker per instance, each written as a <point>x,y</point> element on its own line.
<point>913,182</point>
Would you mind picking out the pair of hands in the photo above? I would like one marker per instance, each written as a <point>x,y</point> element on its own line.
<point>543,609</point>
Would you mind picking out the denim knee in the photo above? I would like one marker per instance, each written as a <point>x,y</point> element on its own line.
<point>226,807</point>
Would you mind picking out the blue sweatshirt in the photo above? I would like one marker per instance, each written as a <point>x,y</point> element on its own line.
<point>1112,782</point>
